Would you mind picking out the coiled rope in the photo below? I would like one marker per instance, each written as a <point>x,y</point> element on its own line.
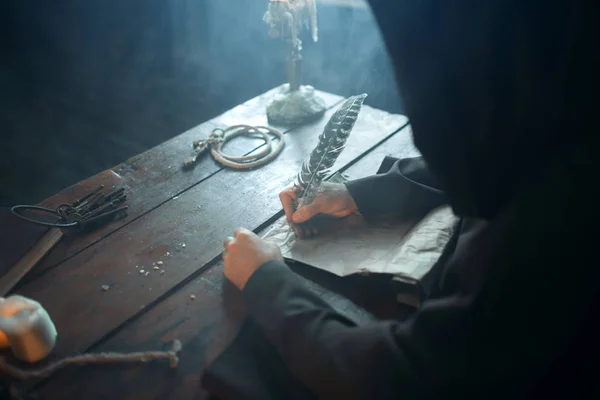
<point>217,139</point>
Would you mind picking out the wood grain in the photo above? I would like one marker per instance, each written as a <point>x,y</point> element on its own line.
<point>208,323</point>
<point>17,237</point>
<point>155,176</point>
<point>33,256</point>
<point>200,218</point>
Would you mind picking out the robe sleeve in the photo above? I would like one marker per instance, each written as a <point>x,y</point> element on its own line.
<point>513,304</point>
<point>333,356</point>
<point>405,189</point>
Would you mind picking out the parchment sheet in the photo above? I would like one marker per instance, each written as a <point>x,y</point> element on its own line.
<point>405,249</point>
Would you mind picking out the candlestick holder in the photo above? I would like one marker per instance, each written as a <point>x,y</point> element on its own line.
<point>294,103</point>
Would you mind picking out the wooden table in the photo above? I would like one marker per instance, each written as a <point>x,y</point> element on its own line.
<point>186,214</point>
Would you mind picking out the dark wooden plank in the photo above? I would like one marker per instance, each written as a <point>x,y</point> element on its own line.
<point>201,218</point>
<point>156,176</point>
<point>25,264</point>
<point>208,323</point>
<point>16,238</point>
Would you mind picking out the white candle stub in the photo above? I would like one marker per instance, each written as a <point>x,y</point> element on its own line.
<point>26,328</point>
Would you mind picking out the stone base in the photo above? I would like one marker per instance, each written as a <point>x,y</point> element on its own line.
<point>295,107</point>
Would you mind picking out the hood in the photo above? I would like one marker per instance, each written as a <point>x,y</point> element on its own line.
<point>496,91</point>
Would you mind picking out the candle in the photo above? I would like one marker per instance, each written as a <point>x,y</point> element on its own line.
<point>26,328</point>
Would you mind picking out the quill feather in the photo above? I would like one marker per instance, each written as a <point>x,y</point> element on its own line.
<point>331,143</point>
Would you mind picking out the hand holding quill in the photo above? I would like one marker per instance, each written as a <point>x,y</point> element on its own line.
<point>330,145</point>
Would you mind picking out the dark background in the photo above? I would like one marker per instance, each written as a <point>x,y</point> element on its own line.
<point>86,84</point>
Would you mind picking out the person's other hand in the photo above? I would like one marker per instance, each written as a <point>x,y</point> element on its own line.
<point>332,199</point>
<point>245,253</point>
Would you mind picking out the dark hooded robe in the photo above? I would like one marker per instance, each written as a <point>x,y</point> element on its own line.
<point>501,99</point>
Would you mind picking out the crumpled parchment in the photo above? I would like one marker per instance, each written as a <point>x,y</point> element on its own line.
<point>399,248</point>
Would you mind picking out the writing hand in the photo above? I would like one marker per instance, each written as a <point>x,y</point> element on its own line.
<point>332,199</point>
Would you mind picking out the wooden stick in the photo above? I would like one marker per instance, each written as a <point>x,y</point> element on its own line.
<point>30,260</point>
